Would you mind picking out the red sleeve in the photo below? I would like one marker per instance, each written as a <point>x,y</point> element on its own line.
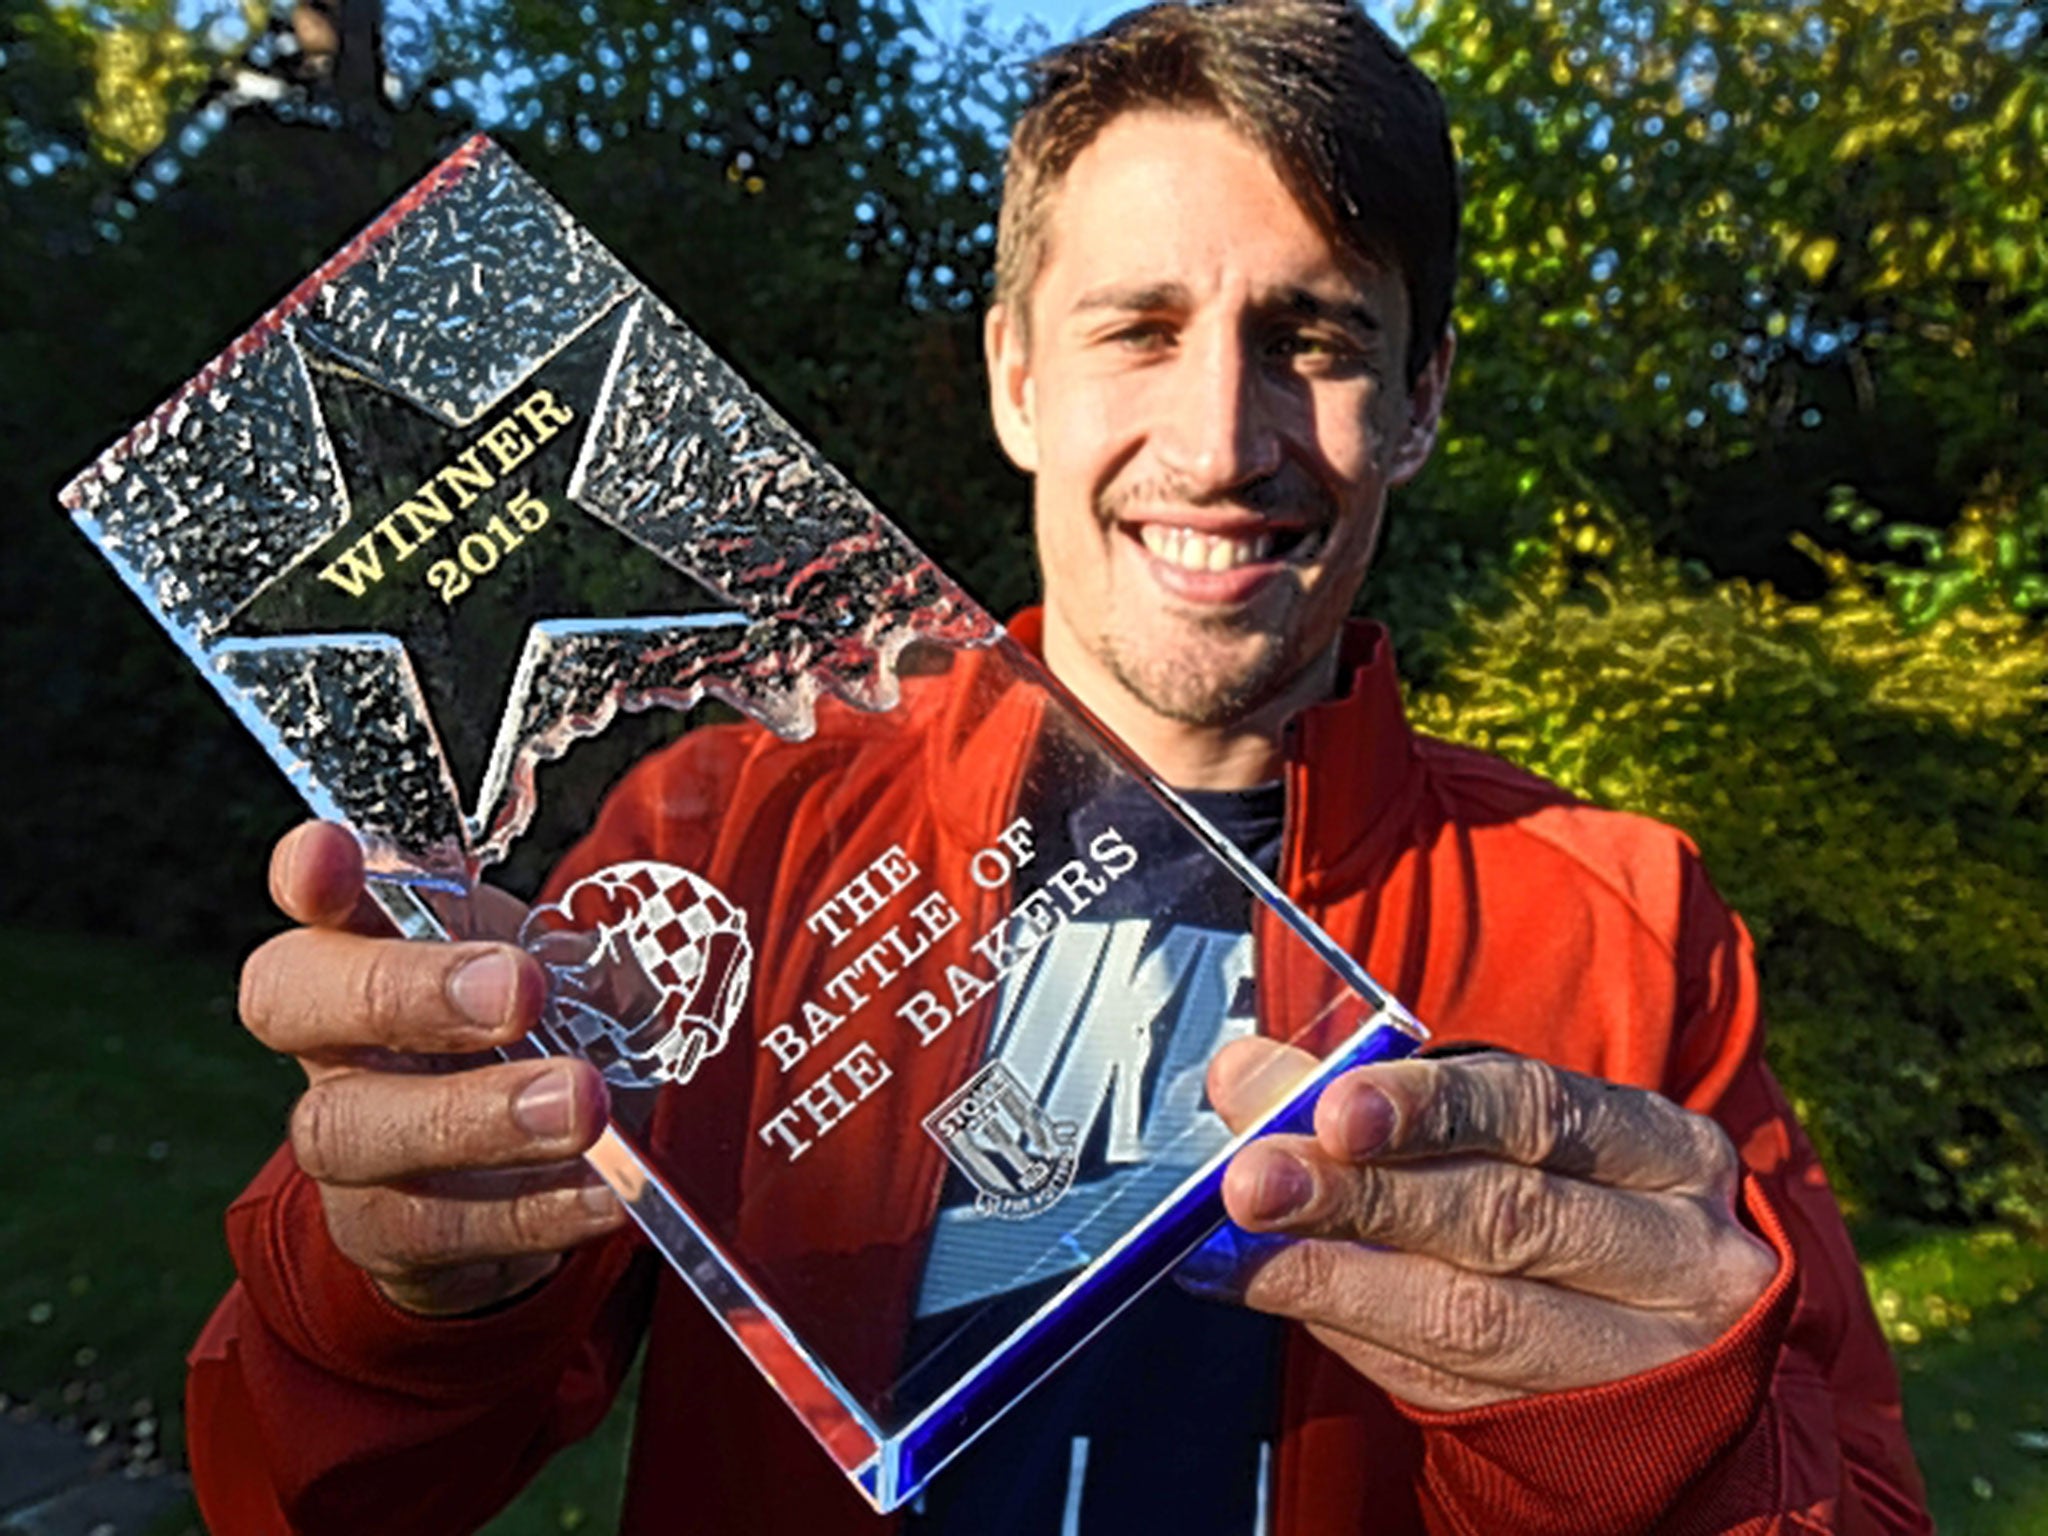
<point>1789,1422</point>
<point>313,1404</point>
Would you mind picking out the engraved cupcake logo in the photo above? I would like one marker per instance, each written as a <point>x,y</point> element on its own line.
<point>649,965</point>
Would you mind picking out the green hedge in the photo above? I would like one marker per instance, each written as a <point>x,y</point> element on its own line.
<point>1870,792</point>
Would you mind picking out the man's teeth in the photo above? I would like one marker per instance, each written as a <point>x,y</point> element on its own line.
<point>1194,550</point>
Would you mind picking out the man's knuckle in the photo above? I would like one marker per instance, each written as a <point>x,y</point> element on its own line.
<point>1714,1154</point>
<point>256,995</point>
<point>1299,1280</point>
<point>1369,1204</point>
<point>249,991</point>
<point>344,1224</point>
<point>1517,1217</point>
<point>360,1222</point>
<point>1468,1319</point>
<point>385,1257</point>
<point>1445,1121</point>
<point>429,1233</point>
<point>447,1122</point>
<point>1429,1382</point>
<point>318,1131</point>
<point>388,995</point>
<point>528,1222</point>
<point>1549,1118</point>
<point>1743,1269</point>
<point>381,1263</point>
<point>1763,1264</point>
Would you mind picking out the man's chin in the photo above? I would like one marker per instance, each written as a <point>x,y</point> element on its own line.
<point>1206,691</point>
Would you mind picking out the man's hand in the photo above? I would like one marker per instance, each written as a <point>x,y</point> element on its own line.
<point>454,1189</point>
<point>1489,1227</point>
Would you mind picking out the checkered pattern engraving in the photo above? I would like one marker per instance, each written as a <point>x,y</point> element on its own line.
<point>650,966</point>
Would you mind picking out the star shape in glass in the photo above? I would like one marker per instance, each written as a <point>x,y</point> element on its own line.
<point>470,492</point>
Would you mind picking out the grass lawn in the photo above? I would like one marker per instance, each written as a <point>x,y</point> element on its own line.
<point>139,1107</point>
<point>1967,1314</point>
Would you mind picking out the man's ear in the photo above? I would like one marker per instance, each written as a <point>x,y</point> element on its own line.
<point>1010,396</point>
<point>1425,412</point>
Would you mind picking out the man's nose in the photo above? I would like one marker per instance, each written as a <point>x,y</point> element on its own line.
<point>1221,429</point>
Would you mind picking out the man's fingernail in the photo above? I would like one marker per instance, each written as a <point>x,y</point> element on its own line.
<point>599,1200</point>
<point>486,988</point>
<point>1366,1123</point>
<point>547,1105</point>
<point>1283,1186</point>
<point>284,863</point>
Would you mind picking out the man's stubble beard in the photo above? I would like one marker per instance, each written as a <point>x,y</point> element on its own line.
<point>1189,689</point>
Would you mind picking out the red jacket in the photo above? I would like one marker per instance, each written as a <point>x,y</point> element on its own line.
<point>1495,905</point>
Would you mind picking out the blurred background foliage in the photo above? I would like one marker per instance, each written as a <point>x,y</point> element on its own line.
<point>1739,518</point>
<point>1724,259</point>
<point>1869,794</point>
<point>1748,478</point>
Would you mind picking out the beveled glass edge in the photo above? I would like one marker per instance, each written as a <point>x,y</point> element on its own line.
<point>1385,1005</point>
<point>890,1467</point>
<point>847,1433</point>
<point>1347,968</point>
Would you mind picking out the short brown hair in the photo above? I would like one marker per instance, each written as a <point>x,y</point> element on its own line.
<point>1355,129</point>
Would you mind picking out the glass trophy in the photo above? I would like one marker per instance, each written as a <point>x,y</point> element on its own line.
<point>903,973</point>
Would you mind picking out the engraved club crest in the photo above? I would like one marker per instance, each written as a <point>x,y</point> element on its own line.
<point>1019,1159</point>
<point>649,965</point>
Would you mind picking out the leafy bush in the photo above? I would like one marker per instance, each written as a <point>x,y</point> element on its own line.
<point>1873,796</point>
<point>1997,550</point>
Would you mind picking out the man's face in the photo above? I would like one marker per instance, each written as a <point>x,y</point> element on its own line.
<point>1212,400</point>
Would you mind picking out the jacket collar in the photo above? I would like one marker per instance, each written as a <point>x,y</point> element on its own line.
<point>1350,763</point>
<point>1351,771</point>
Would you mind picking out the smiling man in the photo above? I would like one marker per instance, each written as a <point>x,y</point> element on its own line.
<point>1589,1281</point>
<point>1214,400</point>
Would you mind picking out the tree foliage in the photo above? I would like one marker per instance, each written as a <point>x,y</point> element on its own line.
<point>1724,259</point>
<point>1766,288</point>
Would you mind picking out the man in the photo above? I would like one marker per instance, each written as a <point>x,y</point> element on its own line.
<point>1591,1283</point>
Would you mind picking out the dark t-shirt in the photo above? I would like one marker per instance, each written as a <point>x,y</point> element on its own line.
<point>1166,1420</point>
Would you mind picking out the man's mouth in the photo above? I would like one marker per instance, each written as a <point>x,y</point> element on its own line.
<point>1196,549</point>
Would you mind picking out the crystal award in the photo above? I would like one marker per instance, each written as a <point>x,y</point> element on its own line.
<point>902,972</point>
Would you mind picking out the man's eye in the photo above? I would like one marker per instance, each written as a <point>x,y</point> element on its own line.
<point>1305,344</point>
<point>1143,336</point>
<point>1318,350</point>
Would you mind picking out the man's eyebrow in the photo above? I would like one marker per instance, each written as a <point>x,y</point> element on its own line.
<point>1304,303</point>
<point>1314,306</point>
<point>1133,297</point>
